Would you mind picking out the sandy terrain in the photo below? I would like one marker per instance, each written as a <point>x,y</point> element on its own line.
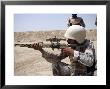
<point>29,62</point>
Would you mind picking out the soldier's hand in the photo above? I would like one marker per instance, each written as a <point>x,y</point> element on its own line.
<point>67,51</point>
<point>37,46</point>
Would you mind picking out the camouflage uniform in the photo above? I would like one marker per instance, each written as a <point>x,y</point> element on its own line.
<point>76,68</point>
<point>76,21</point>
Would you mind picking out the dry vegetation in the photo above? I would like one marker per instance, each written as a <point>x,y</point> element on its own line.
<point>28,61</point>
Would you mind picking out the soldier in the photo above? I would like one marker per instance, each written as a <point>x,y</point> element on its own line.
<point>82,55</point>
<point>84,52</point>
<point>74,20</point>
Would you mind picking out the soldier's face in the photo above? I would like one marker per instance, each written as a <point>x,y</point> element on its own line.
<point>71,41</point>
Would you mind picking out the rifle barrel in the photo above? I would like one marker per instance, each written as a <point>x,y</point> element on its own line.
<point>24,45</point>
<point>43,45</point>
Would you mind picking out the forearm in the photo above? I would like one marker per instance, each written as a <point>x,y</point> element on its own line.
<point>50,57</point>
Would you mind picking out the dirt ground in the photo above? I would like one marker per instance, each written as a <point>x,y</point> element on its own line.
<point>29,62</point>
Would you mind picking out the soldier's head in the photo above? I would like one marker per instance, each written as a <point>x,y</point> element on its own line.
<point>75,35</point>
<point>74,15</point>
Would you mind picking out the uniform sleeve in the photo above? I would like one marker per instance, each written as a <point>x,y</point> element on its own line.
<point>82,23</point>
<point>87,58</point>
<point>50,57</point>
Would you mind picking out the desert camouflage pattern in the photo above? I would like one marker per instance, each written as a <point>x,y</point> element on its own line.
<point>76,21</point>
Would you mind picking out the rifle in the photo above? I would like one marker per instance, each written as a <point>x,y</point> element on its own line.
<point>54,44</point>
